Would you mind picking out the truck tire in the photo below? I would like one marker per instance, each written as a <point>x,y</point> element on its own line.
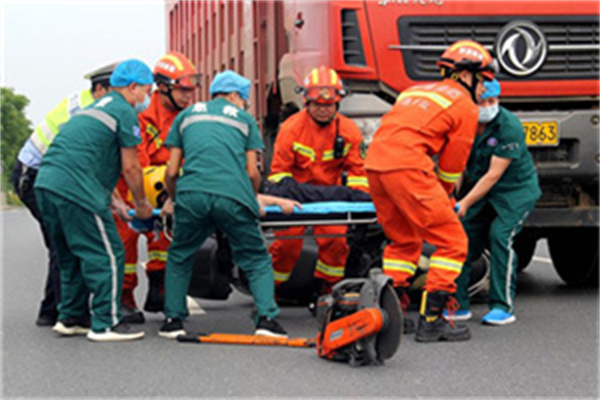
<point>575,256</point>
<point>524,246</point>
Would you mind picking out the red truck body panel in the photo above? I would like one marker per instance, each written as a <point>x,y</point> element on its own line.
<point>247,37</point>
<point>253,37</point>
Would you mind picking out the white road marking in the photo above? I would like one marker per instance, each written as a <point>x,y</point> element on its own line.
<point>194,306</point>
<point>542,259</point>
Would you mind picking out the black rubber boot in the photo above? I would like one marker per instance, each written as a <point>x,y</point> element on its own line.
<point>432,327</point>
<point>129,312</point>
<point>409,324</point>
<point>155,300</point>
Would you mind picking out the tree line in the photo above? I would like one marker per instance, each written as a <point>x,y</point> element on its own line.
<point>15,128</point>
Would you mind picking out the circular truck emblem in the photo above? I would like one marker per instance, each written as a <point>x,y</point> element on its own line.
<point>521,48</point>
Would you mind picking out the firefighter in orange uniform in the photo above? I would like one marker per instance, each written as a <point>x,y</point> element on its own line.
<point>411,194</point>
<point>176,80</point>
<point>315,146</point>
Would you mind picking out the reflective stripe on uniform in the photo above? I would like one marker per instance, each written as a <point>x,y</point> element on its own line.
<point>435,97</point>
<point>330,270</point>
<point>42,137</point>
<point>304,150</point>
<point>399,266</point>
<point>130,268</point>
<point>157,255</point>
<point>101,116</point>
<point>328,155</point>
<point>242,127</point>
<point>446,264</point>
<point>45,132</point>
<point>279,176</point>
<point>510,261</point>
<point>448,176</point>
<point>113,268</point>
<point>281,276</point>
<point>357,181</point>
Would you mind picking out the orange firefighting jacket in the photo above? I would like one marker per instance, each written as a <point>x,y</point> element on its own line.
<point>155,123</point>
<point>305,151</point>
<point>427,120</point>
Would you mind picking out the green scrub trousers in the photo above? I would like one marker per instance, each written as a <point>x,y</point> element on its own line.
<point>91,258</point>
<point>494,223</point>
<point>197,215</point>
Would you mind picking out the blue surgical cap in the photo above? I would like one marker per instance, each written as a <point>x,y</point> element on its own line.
<point>131,71</point>
<point>229,82</point>
<point>492,89</point>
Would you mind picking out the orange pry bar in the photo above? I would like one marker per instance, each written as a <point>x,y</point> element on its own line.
<point>227,338</point>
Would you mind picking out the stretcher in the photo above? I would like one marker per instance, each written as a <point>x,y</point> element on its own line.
<point>317,214</point>
<point>311,214</point>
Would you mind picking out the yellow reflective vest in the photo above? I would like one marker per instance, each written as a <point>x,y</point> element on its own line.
<point>46,130</point>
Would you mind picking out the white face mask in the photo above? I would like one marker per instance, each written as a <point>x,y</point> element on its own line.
<point>139,107</point>
<point>486,114</point>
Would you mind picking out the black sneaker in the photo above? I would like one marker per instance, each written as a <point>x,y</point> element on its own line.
<point>269,327</point>
<point>71,327</point>
<point>131,315</point>
<point>118,333</point>
<point>45,320</point>
<point>172,327</point>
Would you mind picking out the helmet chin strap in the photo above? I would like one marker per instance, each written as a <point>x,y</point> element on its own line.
<point>323,123</point>
<point>471,89</point>
<point>330,120</point>
<point>169,94</point>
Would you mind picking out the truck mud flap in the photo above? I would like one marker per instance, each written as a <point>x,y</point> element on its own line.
<point>563,217</point>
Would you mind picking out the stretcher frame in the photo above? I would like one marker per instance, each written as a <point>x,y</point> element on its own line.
<point>272,222</point>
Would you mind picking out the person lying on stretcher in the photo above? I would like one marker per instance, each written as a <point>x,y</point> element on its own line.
<point>264,200</point>
<point>287,205</point>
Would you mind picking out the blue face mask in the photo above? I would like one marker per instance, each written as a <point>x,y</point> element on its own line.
<point>139,107</point>
<point>486,114</point>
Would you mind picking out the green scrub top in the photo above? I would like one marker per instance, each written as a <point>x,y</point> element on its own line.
<point>214,137</point>
<point>83,163</point>
<point>503,137</point>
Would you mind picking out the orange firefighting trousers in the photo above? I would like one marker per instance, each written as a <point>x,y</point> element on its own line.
<point>413,207</point>
<point>157,252</point>
<point>331,258</point>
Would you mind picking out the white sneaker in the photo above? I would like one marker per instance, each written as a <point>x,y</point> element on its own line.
<point>70,327</point>
<point>117,333</point>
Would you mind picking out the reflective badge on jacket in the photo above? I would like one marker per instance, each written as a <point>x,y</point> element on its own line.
<point>154,132</point>
<point>492,142</point>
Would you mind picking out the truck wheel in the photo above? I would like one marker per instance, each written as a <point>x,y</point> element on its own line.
<point>524,246</point>
<point>575,256</point>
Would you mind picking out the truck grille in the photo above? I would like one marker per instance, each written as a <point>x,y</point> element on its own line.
<point>565,154</point>
<point>573,43</point>
<point>352,40</point>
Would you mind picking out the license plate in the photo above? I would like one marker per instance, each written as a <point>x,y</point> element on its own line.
<point>541,133</point>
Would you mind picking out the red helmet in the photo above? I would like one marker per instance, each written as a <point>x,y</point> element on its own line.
<point>471,56</point>
<point>322,85</point>
<point>175,69</point>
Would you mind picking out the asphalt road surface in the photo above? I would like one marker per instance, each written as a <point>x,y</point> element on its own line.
<point>551,351</point>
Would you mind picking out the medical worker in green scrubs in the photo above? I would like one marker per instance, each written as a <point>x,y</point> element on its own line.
<point>74,192</point>
<point>504,192</point>
<point>217,190</point>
